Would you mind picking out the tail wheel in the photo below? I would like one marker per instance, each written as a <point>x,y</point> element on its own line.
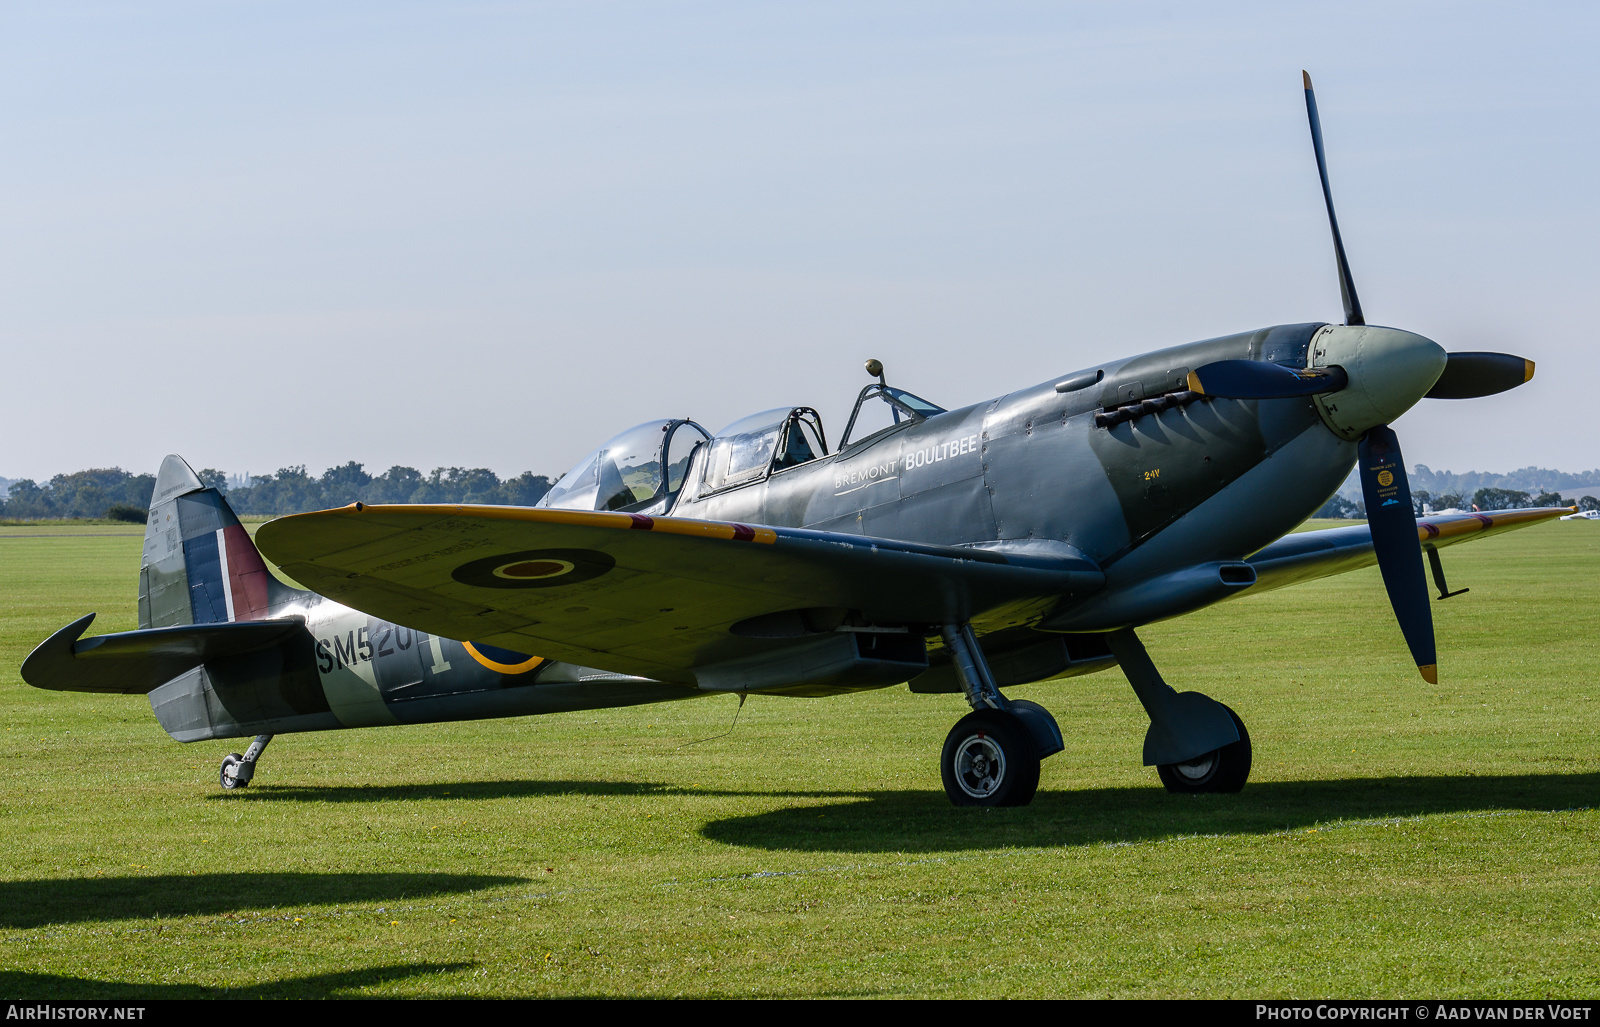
<point>989,759</point>
<point>1220,770</point>
<point>229,762</point>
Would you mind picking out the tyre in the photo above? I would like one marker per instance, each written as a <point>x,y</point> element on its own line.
<point>1220,770</point>
<point>230,761</point>
<point>989,759</point>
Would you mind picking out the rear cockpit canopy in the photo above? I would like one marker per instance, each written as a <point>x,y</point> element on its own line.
<point>752,447</point>
<point>642,466</point>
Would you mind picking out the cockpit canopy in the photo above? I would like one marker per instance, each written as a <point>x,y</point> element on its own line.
<point>644,464</point>
<point>643,468</point>
<point>769,441</point>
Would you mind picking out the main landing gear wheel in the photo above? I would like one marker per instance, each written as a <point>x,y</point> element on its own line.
<point>1220,770</point>
<point>229,763</point>
<point>989,759</point>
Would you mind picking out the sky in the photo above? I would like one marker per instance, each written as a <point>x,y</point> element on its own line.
<point>495,234</point>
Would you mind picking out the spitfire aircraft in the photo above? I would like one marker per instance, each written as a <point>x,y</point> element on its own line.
<point>963,551</point>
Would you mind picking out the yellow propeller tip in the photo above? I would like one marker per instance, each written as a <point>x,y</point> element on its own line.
<point>1527,371</point>
<point>1194,383</point>
<point>1430,672</point>
<point>1307,76</point>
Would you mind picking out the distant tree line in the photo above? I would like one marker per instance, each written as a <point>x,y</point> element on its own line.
<point>91,493</point>
<point>292,490</point>
<point>115,493</point>
<point>1532,480</point>
<point>1495,499</point>
<point>1482,499</point>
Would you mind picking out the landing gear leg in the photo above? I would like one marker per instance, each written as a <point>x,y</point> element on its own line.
<point>1195,743</point>
<point>237,770</point>
<point>991,757</point>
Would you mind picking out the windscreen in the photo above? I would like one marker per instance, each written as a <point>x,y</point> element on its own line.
<point>624,471</point>
<point>884,406</point>
<point>686,438</point>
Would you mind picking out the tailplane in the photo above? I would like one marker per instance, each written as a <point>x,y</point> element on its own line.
<point>200,565</point>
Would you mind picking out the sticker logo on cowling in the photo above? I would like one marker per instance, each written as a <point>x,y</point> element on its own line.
<point>534,568</point>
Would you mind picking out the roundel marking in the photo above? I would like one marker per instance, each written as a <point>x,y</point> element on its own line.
<point>534,568</point>
<point>501,661</point>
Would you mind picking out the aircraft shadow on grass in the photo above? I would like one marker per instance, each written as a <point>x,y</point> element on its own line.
<point>923,821</point>
<point>23,986</point>
<point>470,790</point>
<point>36,903</point>
<point>19,986</point>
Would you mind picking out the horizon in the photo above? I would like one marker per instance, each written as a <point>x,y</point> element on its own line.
<point>1416,468</point>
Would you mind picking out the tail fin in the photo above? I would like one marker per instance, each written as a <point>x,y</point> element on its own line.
<point>200,566</point>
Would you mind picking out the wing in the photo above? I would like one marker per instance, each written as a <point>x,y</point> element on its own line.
<point>1317,554</point>
<point>654,596</point>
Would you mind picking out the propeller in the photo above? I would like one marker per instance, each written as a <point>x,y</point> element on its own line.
<point>1347,285</point>
<point>1470,375</point>
<point>1390,518</point>
<point>1384,485</point>
<point>1465,376</point>
<point>1388,369</point>
<point>1255,379</point>
<point>1378,373</point>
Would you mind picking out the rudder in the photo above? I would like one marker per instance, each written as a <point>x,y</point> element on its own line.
<point>199,565</point>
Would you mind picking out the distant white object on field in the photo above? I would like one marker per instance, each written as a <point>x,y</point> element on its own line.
<point>1583,515</point>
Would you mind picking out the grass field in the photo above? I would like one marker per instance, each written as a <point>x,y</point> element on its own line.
<point>1396,839</point>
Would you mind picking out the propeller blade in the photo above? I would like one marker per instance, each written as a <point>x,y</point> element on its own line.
<point>1470,375</point>
<point>1394,541</point>
<point>1255,379</point>
<point>1347,285</point>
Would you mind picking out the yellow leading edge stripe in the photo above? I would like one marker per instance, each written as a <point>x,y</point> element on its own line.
<point>587,519</point>
<point>1427,531</point>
